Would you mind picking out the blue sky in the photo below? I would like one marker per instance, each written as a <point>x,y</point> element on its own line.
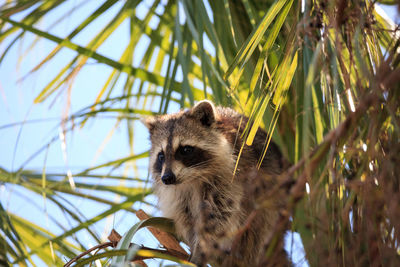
<point>42,121</point>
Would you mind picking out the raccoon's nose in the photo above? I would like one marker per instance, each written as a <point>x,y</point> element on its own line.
<point>168,178</point>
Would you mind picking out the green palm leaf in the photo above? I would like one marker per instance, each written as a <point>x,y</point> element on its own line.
<point>320,76</point>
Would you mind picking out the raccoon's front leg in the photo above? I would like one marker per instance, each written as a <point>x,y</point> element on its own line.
<point>215,232</point>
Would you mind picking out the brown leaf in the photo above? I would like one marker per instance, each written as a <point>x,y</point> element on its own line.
<point>165,239</point>
<point>114,237</point>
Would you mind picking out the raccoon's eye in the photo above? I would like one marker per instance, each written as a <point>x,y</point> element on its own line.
<point>186,150</point>
<point>161,157</point>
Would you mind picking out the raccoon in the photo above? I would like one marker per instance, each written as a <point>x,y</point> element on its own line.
<point>193,157</point>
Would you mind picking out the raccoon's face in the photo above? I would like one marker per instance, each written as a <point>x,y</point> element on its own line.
<point>186,146</point>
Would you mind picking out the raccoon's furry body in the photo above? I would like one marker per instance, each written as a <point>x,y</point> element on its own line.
<point>192,161</point>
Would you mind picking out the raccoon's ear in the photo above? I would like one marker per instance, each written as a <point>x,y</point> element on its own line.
<point>149,122</point>
<point>204,111</point>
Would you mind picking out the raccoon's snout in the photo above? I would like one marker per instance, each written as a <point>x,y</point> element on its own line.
<point>168,178</point>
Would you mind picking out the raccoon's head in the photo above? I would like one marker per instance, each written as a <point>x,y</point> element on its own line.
<point>186,146</point>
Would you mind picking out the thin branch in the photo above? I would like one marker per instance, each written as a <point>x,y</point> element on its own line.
<point>100,246</point>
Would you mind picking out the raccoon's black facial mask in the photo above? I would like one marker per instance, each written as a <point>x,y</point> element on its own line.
<point>160,161</point>
<point>186,150</point>
<point>191,156</point>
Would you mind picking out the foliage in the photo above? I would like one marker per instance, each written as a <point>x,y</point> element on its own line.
<point>329,70</point>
